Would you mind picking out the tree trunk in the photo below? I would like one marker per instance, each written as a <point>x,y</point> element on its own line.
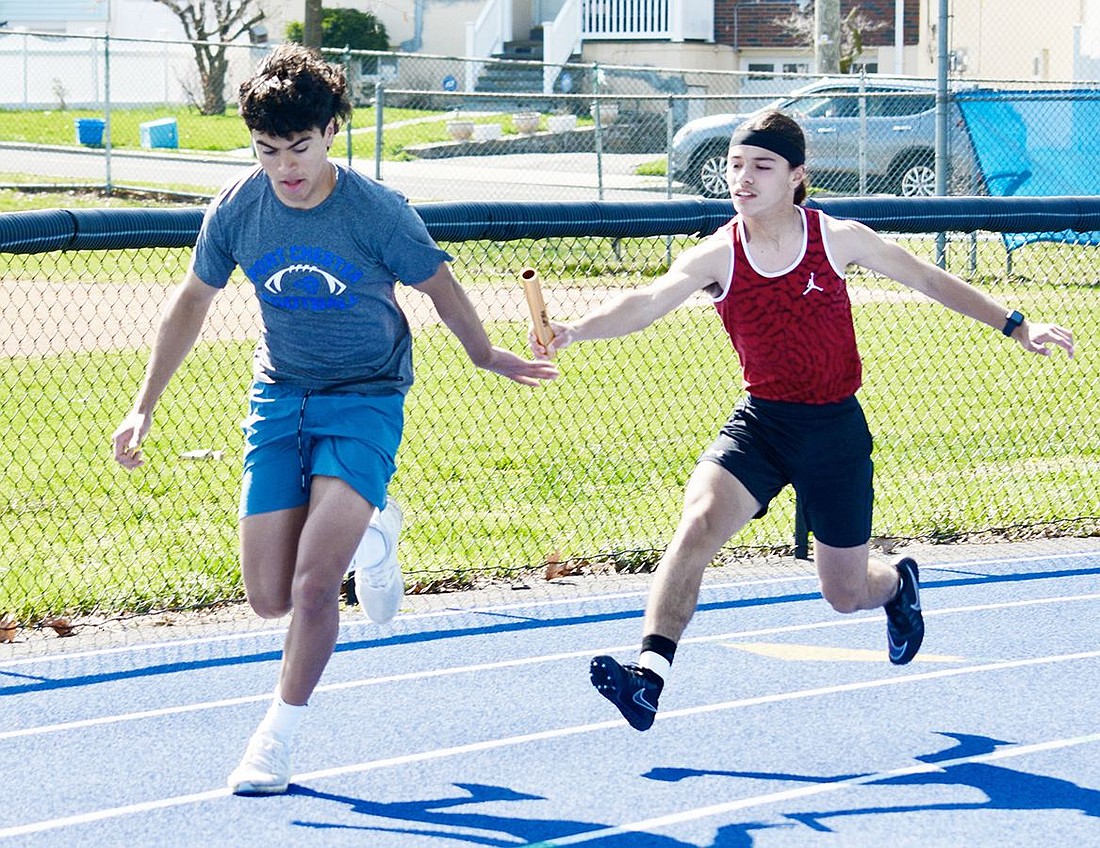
<point>213,84</point>
<point>311,26</point>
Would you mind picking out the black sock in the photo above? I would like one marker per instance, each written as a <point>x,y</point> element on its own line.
<point>660,645</point>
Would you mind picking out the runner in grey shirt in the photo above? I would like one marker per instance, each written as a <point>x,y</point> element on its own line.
<point>324,278</point>
<point>324,248</point>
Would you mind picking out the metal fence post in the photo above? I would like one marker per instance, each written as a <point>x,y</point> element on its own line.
<point>379,96</point>
<point>26,69</point>
<point>347,76</point>
<point>670,132</point>
<point>107,113</point>
<point>942,163</point>
<point>595,109</point>
<point>862,133</point>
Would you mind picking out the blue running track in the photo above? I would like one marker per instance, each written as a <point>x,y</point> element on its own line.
<point>783,724</point>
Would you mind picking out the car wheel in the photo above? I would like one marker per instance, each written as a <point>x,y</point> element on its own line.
<point>917,180</point>
<point>710,174</point>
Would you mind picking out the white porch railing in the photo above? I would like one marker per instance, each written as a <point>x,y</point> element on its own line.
<point>626,19</point>
<point>671,20</point>
<point>486,36</point>
<point>561,38</point>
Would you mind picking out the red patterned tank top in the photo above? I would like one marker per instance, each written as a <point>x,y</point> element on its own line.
<point>792,330</point>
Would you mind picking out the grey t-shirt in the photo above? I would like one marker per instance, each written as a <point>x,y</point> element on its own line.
<point>324,277</point>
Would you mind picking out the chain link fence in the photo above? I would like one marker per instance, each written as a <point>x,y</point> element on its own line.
<point>446,128</point>
<point>972,435</point>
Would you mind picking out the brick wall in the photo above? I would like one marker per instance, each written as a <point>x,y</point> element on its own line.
<point>751,23</point>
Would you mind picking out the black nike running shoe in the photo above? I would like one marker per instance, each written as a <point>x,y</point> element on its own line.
<point>634,690</point>
<point>904,621</point>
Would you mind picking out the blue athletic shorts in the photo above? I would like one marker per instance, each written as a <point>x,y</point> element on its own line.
<point>292,434</point>
<point>824,451</point>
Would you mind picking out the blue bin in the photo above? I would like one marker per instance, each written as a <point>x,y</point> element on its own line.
<point>160,133</point>
<point>89,131</point>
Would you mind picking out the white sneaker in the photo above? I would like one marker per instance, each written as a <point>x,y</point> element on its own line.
<point>265,769</point>
<point>379,585</point>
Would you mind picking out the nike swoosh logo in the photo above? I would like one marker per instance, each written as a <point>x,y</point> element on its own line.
<point>896,651</point>
<point>639,699</point>
<point>916,600</point>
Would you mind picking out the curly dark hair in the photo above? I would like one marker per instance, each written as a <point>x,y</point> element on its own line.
<point>292,91</point>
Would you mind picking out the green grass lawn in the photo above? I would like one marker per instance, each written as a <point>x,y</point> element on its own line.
<point>212,133</point>
<point>27,195</point>
<point>495,478</point>
<point>209,133</point>
<point>224,133</point>
<point>971,433</point>
<point>654,168</point>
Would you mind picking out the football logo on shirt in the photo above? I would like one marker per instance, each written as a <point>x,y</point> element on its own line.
<point>274,283</point>
<point>301,277</point>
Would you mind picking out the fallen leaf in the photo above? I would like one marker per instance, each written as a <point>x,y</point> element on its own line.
<point>8,627</point>
<point>884,543</point>
<point>62,626</point>
<point>556,569</point>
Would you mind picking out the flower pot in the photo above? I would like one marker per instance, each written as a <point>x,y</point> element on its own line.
<point>526,123</point>
<point>561,123</point>
<point>461,130</point>
<point>488,132</point>
<point>609,112</point>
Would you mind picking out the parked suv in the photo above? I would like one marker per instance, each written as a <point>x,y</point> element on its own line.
<point>897,130</point>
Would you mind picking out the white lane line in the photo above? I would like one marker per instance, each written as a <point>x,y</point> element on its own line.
<point>935,674</point>
<point>540,736</point>
<point>457,611</point>
<point>658,822</point>
<point>522,661</point>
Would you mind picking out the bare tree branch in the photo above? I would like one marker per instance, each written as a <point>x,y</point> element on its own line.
<point>210,26</point>
<point>799,24</point>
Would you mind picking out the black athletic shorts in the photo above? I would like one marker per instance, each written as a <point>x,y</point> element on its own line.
<point>824,451</point>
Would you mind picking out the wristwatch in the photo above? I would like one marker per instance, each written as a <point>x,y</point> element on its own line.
<point>1013,320</point>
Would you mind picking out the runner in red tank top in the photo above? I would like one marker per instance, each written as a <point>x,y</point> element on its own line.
<point>776,276</point>
<point>792,329</point>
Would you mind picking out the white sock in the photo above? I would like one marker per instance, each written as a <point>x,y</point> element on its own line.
<point>655,663</point>
<point>282,719</point>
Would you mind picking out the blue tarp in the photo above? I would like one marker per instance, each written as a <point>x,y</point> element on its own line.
<point>1036,144</point>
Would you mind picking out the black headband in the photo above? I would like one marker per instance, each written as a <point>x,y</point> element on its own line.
<point>794,153</point>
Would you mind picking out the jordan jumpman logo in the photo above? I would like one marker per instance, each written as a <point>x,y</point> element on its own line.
<point>812,286</point>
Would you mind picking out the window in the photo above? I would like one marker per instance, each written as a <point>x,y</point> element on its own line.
<point>812,106</point>
<point>378,67</point>
<point>900,104</point>
<point>843,107</point>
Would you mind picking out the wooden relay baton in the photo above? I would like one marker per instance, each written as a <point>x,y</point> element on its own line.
<point>533,289</point>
